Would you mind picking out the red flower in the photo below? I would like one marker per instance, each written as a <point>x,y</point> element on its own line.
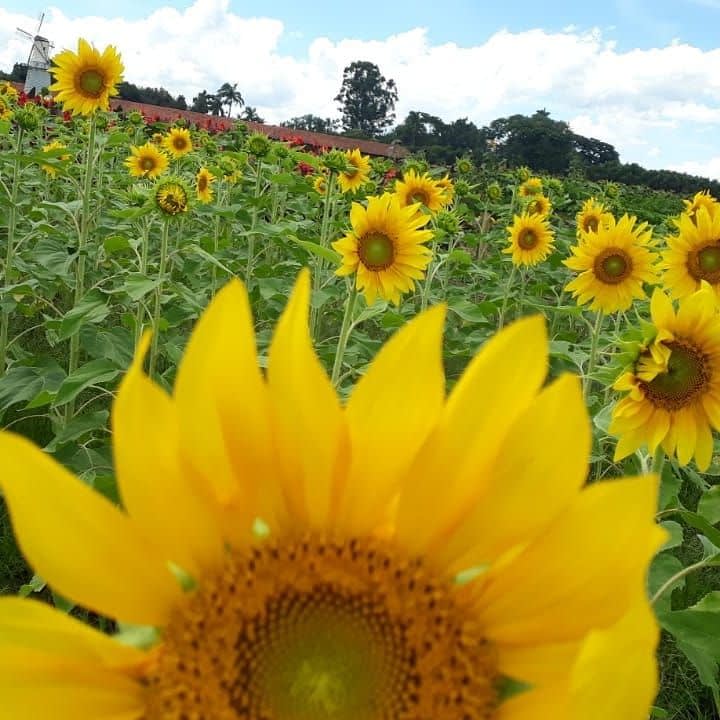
<point>304,168</point>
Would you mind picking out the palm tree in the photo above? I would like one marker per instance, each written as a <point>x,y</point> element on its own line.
<point>216,105</point>
<point>250,113</point>
<point>230,95</point>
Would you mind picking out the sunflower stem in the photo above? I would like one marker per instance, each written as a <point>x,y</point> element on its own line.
<point>506,296</point>
<point>328,207</point>
<point>706,562</point>
<point>253,222</point>
<point>658,461</point>
<point>10,249</point>
<point>164,241</point>
<point>344,333</point>
<point>592,360</point>
<point>144,251</point>
<point>74,355</point>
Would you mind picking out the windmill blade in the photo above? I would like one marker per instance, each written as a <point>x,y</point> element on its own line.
<point>25,32</point>
<point>42,17</point>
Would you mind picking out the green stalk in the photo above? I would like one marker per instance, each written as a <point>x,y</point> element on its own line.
<point>216,238</point>
<point>594,339</point>
<point>164,241</point>
<point>140,310</point>
<point>658,461</point>
<point>74,355</point>
<point>706,562</point>
<point>506,296</point>
<point>253,223</point>
<point>344,333</point>
<point>328,207</point>
<point>10,249</point>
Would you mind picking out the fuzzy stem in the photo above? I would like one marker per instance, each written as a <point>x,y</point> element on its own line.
<point>506,296</point>
<point>158,298</point>
<point>328,207</point>
<point>144,251</point>
<point>344,333</point>
<point>592,360</point>
<point>253,223</point>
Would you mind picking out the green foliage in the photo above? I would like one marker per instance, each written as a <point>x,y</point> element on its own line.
<point>151,96</point>
<point>313,123</point>
<point>366,99</point>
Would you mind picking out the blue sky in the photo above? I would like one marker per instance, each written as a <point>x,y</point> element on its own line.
<point>644,76</point>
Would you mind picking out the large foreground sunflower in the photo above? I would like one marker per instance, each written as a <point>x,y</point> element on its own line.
<point>414,188</point>
<point>693,255</point>
<point>357,173</point>
<point>346,606</point>
<point>674,386</point>
<point>146,161</point>
<point>385,248</point>
<point>84,81</point>
<point>591,216</point>
<point>613,263</point>
<point>531,239</point>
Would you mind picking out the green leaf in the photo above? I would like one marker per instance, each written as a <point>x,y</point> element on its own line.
<point>91,309</point>
<point>211,259</point>
<point>116,243</point>
<point>137,285</point>
<point>460,257</point>
<point>79,426</point>
<point>314,249</point>
<point>662,568</point>
<point>91,373</point>
<point>709,505</point>
<point>675,531</point>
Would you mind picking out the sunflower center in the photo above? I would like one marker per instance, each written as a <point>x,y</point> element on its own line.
<point>704,263</point>
<point>591,224</point>
<point>528,239</point>
<point>310,629</point>
<point>179,142</point>
<point>687,376</point>
<point>376,251</point>
<point>612,266</point>
<point>172,199</point>
<point>202,183</point>
<point>147,163</point>
<point>92,83</point>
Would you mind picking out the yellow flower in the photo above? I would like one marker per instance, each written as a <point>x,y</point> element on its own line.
<point>346,607</point>
<point>702,200</point>
<point>613,263</point>
<point>51,170</point>
<point>674,387</point>
<point>358,174</point>
<point>203,180</point>
<point>6,112</point>
<point>172,197</point>
<point>539,205</point>
<point>445,184</point>
<point>178,142</point>
<point>532,186</point>
<point>320,184</point>
<point>693,255</point>
<point>84,81</point>
<point>531,239</point>
<point>414,188</point>
<point>146,161</point>
<point>591,216</point>
<point>8,91</point>
<point>385,248</point>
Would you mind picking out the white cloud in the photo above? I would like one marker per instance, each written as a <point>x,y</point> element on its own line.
<point>640,100</point>
<point>704,168</point>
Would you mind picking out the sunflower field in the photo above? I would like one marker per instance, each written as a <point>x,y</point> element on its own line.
<point>300,435</point>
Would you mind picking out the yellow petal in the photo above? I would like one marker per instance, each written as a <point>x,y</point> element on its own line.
<point>704,444</point>
<point>615,675</point>
<point>85,547</point>
<point>154,489</point>
<point>36,687</point>
<point>686,428</point>
<point>36,626</point>
<point>448,474</point>
<point>538,664</point>
<point>661,309</point>
<point>545,703</point>
<point>580,573</point>
<point>309,427</point>
<point>223,411</point>
<point>389,414</point>
<point>541,466</point>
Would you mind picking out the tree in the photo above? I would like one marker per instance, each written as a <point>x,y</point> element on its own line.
<point>229,95</point>
<point>367,100</point>
<point>216,105</point>
<point>250,113</point>
<point>312,123</point>
<point>201,102</point>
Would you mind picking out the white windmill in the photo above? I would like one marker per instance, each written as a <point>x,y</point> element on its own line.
<point>38,64</point>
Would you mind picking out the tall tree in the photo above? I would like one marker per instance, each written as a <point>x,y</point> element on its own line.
<point>250,113</point>
<point>216,105</point>
<point>201,102</point>
<point>367,99</point>
<point>230,95</point>
<point>312,123</point>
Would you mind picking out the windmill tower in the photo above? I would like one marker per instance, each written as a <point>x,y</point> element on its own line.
<point>38,64</point>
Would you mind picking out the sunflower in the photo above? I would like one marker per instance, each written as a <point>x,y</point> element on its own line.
<point>694,254</point>
<point>178,142</point>
<point>357,172</point>
<point>320,184</point>
<point>8,91</point>
<point>591,216</point>
<point>613,264</point>
<point>51,170</point>
<point>146,161</point>
<point>531,239</point>
<point>445,184</point>
<point>539,205</point>
<point>6,112</point>
<point>702,200</point>
<point>531,186</point>
<point>203,181</point>
<point>385,248</point>
<point>84,81</point>
<point>414,188</point>
<point>346,606</point>
<point>673,388</point>
<point>171,197</point>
